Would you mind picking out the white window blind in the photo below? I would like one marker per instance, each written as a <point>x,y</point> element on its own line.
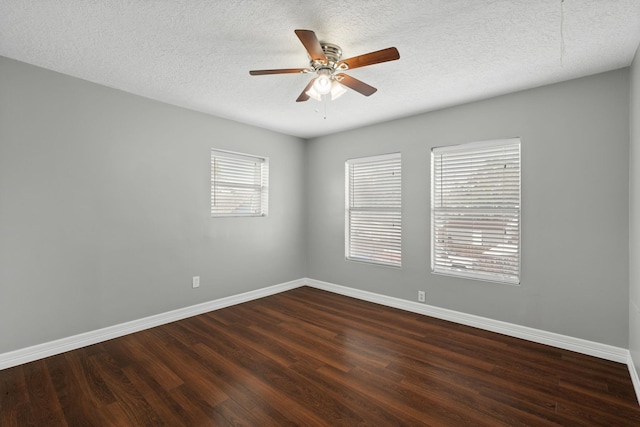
<point>239,184</point>
<point>373,209</point>
<point>475,210</point>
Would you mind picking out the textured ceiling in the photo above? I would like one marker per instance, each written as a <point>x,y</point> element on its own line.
<point>197,53</point>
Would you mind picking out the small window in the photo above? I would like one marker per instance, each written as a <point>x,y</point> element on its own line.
<point>373,209</point>
<point>475,210</point>
<point>239,184</point>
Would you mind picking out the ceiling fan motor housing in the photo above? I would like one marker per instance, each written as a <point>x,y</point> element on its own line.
<point>333,54</point>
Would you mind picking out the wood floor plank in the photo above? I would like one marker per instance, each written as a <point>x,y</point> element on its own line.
<point>267,371</point>
<point>313,358</point>
<point>259,398</point>
<point>14,396</point>
<point>198,377</point>
<point>353,396</point>
<point>236,415</point>
<point>77,407</point>
<point>128,398</point>
<point>264,400</point>
<point>157,396</point>
<point>144,356</point>
<point>43,398</point>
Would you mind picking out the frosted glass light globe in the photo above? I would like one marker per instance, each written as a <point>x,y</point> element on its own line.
<point>322,85</point>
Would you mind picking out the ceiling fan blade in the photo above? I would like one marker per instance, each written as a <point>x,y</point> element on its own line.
<point>384,55</point>
<point>355,84</point>
<point>303,96</point>
<point>311,43</point>
<point>279,71</point>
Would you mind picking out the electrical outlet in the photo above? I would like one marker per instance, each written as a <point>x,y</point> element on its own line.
<point>195,281</point>
<point>422,296</point>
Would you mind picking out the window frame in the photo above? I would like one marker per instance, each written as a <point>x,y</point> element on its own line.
<point>260,185</point>
<point>480,273</point>
<point>352,253</point>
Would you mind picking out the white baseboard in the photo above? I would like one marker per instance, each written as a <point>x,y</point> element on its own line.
<point>40,351</point>
<point>578,345</point>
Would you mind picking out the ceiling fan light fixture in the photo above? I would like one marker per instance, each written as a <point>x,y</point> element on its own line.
<point>322,84</point>
<point>313,93</point>
<point>337,90</point>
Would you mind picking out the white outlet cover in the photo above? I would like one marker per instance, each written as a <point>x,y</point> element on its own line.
<point>195,282</point>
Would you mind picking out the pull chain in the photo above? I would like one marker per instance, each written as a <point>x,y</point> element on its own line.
<point>324,101</point>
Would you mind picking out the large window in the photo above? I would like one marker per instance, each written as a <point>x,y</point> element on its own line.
<point>475,210</point>
<point>239,184</point>
<point>373,209</point>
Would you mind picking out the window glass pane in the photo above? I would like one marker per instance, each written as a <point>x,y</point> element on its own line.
<point>475,210</point>
<point>239,184</point>
<point>373,219</point>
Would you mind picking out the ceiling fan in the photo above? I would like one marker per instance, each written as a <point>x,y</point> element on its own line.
<point>325,62</point>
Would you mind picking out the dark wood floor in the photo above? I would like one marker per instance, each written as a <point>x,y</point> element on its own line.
<point>312,358</point>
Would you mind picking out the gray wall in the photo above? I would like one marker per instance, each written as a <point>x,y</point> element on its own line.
<point>104,208</point>
<point>575,180</point>
<point>634,214</point>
